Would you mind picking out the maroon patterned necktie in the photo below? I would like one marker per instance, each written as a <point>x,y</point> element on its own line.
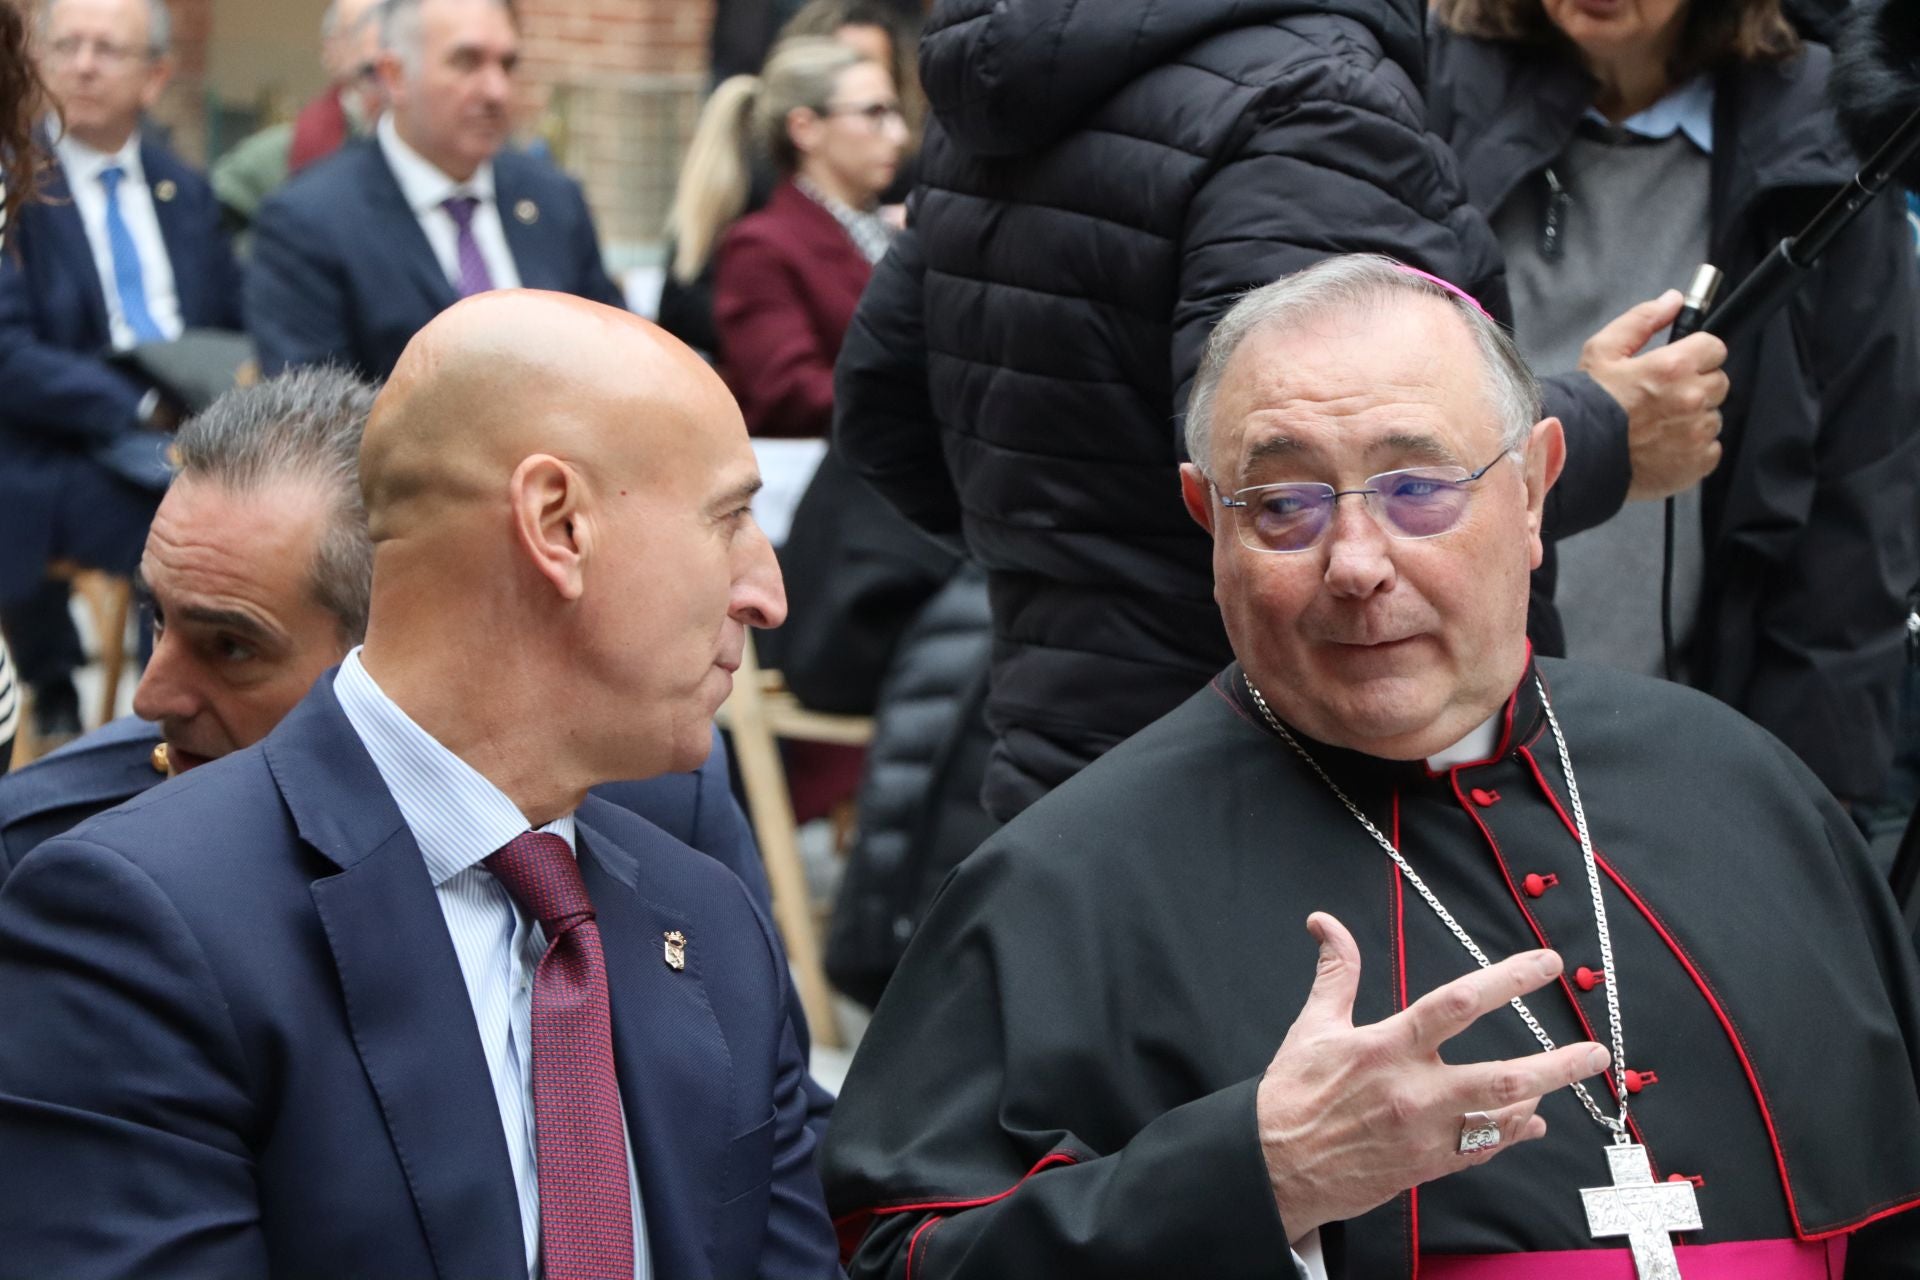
<point>586,1204</point>
<point>474,276</point>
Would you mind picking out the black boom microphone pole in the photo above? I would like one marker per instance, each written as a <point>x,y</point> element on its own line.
<point>1767,289</point>
<point>1876,93</point>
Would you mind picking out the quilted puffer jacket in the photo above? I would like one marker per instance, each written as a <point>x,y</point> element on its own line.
<point>1102,180</point>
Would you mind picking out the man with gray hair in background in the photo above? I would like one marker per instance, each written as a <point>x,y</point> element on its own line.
<point>1113,1050</point>
<point>353,257</point>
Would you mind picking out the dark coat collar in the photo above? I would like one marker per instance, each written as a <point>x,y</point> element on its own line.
<point>1520,721</point>
<point>811,222</point>
<point>1508,110</point>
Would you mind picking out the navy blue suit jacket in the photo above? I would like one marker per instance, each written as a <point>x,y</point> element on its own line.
<point>114,763</point>
<point>53,316</point>
<point>239,1042</point>
<point>342,273</point>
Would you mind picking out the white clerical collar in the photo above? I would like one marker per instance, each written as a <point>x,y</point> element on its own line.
<point>82,163</point>
<point>1477,745</point>
<point>423,183</point>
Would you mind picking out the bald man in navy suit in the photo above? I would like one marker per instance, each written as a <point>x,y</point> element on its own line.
<point>273,1018</point>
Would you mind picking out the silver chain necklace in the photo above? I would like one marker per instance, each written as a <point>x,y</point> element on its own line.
<point>1617,1125</point>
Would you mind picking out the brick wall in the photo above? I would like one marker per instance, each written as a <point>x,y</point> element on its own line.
<point>183,108</point>
<point>614,86</point>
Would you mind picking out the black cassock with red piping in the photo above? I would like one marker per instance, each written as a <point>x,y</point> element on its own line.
<point>1060,1079</point>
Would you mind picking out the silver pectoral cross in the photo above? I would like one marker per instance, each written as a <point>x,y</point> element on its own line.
<point>1644,1211</point>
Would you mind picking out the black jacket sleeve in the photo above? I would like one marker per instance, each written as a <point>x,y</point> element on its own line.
<point>1593,486</point>
<point>969,1145</point>
<point>884,425</point>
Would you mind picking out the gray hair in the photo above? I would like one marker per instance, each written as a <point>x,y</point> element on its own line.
<point>159,26</point>
<point>304,425</point>
<point>330,20</point>
<point>1348,283</point>
<point>400,28</point>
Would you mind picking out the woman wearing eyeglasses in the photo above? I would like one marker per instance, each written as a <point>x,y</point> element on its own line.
<point>788,277</point>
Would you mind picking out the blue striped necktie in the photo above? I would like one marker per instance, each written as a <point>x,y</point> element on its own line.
<point>128,279</point>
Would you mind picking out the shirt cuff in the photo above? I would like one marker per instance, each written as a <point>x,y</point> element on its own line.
<point>1308,1259</point>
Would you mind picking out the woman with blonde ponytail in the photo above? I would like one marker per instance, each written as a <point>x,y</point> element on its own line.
<point>715,178</point>
<point>788,277</point>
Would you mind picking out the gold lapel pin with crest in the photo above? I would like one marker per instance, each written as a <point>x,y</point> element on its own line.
<point>527,211</point>
<point>676,950</point>
<point>165,189</point>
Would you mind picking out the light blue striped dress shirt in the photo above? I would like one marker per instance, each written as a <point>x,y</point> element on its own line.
<point>458,818</point>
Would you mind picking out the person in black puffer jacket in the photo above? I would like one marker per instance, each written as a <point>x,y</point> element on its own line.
<point>1100,183</point>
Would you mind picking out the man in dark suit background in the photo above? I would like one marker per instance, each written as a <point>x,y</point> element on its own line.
<point>126,250</point>
<point>278,1042</point>
<point>352,257</point>
<point>258,568</point>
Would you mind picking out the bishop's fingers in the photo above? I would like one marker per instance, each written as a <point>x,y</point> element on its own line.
<point>1488,1086</point>
<point>1446,1011</point>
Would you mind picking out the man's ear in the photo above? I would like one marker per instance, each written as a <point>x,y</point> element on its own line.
<point>158,74</point>
<point>1546,456</point>
<point>1197,493</point>
<point>548,501</point>
<point>805,128</point>
<point>392,73</point>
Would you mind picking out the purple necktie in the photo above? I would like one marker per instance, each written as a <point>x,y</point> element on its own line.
<point>586,1204</point>
<point>473,268</point>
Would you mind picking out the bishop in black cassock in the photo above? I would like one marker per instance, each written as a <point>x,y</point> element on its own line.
<point>1062,1079</point>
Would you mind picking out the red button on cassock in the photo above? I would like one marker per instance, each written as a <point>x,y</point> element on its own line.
<point>1587,979</point>
<point>1484,798</point>
<point>1638,1080</point>
<point>1535,885</point>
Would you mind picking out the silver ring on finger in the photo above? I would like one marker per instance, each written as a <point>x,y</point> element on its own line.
<point>1479,1131</point>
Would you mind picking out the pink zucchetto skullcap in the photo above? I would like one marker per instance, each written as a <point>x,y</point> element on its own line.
<point>1450,287</point>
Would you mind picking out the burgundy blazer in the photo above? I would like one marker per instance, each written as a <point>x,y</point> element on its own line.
<point>786,282</point>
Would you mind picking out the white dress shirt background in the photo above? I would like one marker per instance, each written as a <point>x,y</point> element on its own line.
<point>82,166</point>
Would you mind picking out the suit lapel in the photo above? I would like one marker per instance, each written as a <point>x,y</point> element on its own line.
<point>190,275</point>
<point>534,255</point>
<point>69,236</point>
<point>406,1001</point>
<point>675,1072</point>
<point>390,209</point>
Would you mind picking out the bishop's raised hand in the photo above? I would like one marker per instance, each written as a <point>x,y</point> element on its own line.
<point>1350,1116</point>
